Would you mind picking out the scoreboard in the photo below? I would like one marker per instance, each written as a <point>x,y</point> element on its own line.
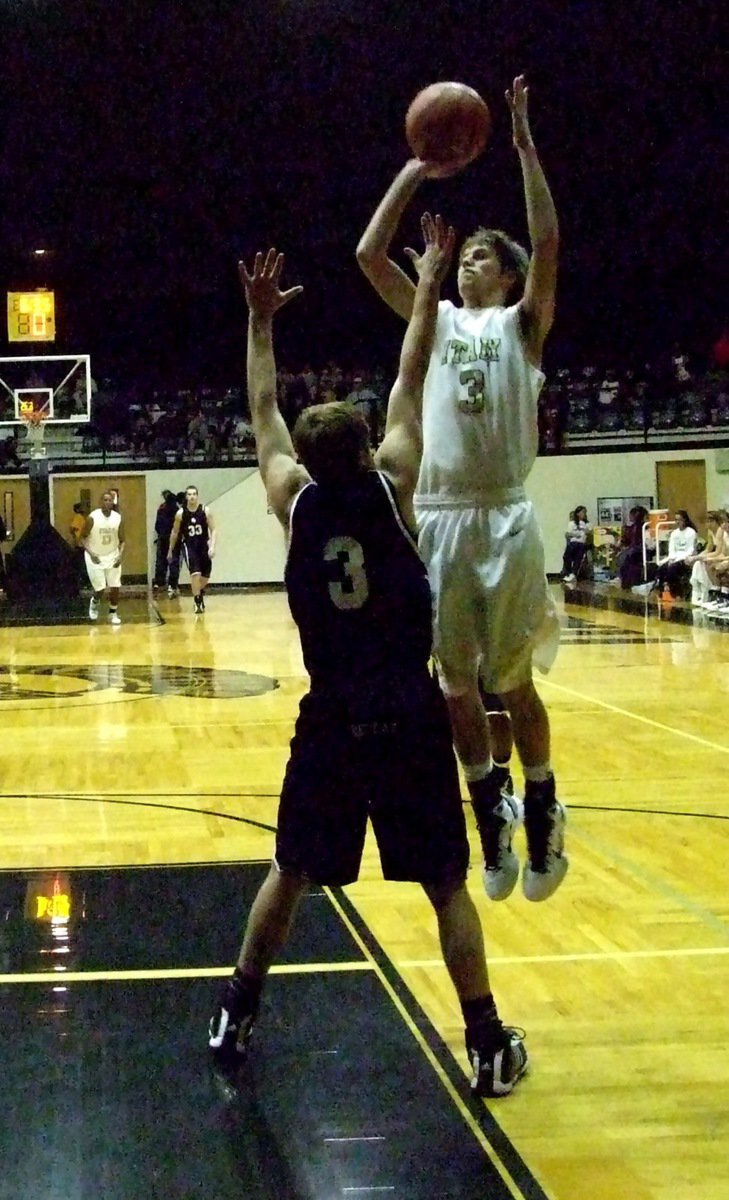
<point>31,316</point>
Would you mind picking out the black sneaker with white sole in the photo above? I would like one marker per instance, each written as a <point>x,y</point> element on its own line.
<point>229,1036</point>
<point>498,1060</point>
<point>498,815</point>
<point>544,824</point>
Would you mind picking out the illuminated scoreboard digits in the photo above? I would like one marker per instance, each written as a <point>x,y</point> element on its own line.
<point>31,316</point>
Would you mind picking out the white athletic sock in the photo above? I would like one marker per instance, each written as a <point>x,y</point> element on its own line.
<point>477,771</point>
<point>538,774</point>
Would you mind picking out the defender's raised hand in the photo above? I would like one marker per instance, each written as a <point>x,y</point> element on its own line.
<point>518,100</point>
<point>438,251</point>
<point>262,290</point>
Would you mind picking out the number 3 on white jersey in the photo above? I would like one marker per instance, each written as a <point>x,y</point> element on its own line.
<point>352,589</point>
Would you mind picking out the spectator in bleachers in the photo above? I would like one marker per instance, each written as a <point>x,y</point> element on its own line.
<point>673,573</point>
<point>243,433</point>
<point>364,400</point>
<point>298,397</point>
<point>582,394</point>
<point>579,533</point>
<point>198,434</point>
<point>141,438</point>
<point>607,392</point>
<point>311,383</point>
<point>9,452</point>
<point>326,393</point>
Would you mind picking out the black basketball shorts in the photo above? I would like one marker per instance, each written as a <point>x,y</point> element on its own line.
<point>400,771</point>
<point>198,561</point>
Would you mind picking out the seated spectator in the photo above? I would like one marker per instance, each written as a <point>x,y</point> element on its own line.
<point>582,392</point>
<point>673,573</point>
<point>630,558</point>
<point>721,604</point>
<point>720,404</point>
<point>704,581</point>
<point>298,397</point>
<point>326,393</point>
<point>607,408</point>
<point>243,433</point>
<point>364,399</point>
<point>198,434</point>
<point>141,434</point>
<point>579,533</point>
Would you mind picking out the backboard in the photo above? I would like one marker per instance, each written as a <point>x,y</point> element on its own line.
<point>57,385</point>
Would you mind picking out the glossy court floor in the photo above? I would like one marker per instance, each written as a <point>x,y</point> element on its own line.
<point>138,787</point>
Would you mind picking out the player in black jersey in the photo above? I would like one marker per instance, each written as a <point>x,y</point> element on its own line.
<point>373,737</point>
<point>195,526</point>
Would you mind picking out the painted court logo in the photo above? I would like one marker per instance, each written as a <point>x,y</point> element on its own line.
<point>59,683</point>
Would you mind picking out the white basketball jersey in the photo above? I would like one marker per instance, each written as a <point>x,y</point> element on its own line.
<point>103,541</point>
<point>479,407</point>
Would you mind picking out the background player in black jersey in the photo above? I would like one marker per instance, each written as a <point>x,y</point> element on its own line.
<point>373,736</point>
<point>195,526</point>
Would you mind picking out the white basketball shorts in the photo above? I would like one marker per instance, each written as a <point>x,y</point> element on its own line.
<point>103,575</point>
<point>493,614</point>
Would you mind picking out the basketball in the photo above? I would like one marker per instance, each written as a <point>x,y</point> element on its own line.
<point>448,123</point>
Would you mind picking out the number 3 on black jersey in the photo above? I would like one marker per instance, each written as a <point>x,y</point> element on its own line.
<point>350,589</point>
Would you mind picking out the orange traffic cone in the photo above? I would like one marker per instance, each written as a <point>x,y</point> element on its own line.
<point>666,597</point>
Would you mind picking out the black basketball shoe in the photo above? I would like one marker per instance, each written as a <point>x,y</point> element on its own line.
<point>231,1025</point>
<point>544,822</point>
<point>498,1059</point>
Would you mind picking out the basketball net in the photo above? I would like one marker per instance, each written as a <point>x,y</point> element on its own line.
<point>34,431</point>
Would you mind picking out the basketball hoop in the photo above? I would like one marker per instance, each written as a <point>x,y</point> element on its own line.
<point>34,431</point>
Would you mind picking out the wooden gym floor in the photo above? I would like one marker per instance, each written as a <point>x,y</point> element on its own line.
<point>138,789</point>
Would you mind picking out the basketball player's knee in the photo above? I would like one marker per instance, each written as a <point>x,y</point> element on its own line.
<point>524,699</point>
<point>441,894</point>
<point>462,700</point>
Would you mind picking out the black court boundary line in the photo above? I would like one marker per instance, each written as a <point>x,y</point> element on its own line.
<point>118,798</point>
<point>157,866</point>
<point>647,812</point>
<point>499,1141</point>
<point>203,812</point>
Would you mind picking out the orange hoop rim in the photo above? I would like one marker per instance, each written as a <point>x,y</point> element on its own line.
<point>33,418</point>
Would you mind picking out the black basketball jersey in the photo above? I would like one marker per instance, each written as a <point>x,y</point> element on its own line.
<point>357,587</point>
<point>195,527</point>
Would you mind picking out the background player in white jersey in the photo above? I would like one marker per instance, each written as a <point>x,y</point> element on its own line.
<point>103,542</point>
<point>477,529</point>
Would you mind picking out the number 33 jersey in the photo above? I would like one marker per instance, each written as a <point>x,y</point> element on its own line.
<point>357,587</point>
<point>479,407</point>
<point>195,528</point>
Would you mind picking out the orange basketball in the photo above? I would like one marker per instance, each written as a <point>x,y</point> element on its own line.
<point>448,123</point>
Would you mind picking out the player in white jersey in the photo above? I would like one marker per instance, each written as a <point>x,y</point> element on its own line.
<point>103,541</point>
<point>478,533</point>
